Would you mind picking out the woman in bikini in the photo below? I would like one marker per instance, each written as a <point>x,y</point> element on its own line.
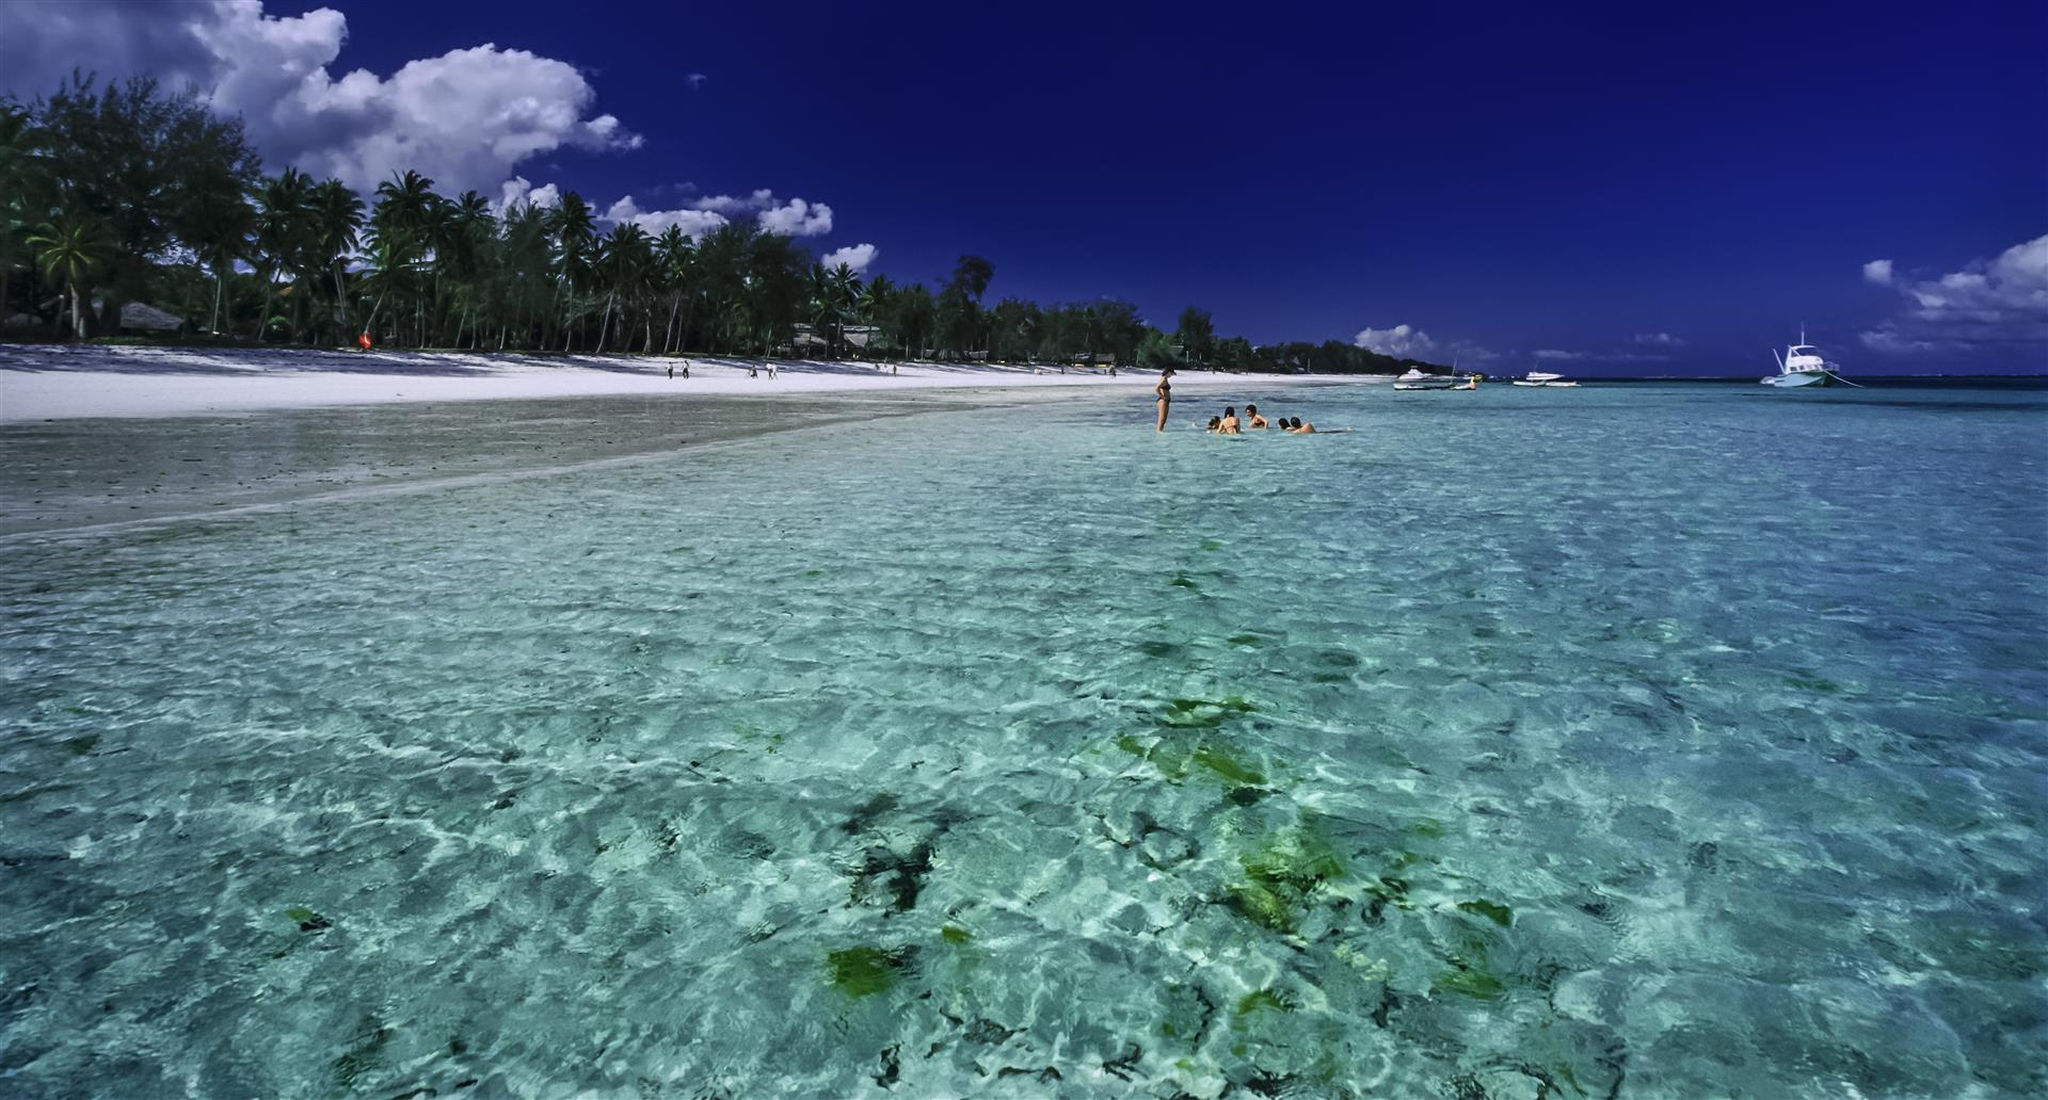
<point>1164,392</point>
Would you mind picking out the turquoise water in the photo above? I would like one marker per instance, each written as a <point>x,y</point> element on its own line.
<point>1628,741</point>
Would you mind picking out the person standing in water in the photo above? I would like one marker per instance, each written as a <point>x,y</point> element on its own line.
<point>1164,392</point>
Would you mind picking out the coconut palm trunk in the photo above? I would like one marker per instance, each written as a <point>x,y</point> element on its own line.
<point>605,323</point>
<point>220,278</point>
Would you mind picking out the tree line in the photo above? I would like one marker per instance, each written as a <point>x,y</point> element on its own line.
<point>126,193</point>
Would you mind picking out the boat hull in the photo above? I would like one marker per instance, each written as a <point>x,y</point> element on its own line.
<point>1797,379</point>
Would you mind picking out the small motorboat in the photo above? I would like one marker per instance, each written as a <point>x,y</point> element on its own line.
<point>1416,379</point>
<point>1546,380</point>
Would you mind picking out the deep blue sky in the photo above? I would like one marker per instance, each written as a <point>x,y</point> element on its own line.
<point>1501,177</point>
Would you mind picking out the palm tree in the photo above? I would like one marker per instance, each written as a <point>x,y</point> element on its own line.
<point>21,180</point>
<point>623,258</point>
<point>574,229</point>
<point>390,265</point>
<point>408,213</point>
<point>774,289</point>
<point>877,307</point>
<point>468,239</point>
<point>220,229</point>
<point>722,257</point>
<point>404,200</point>
<point>69,254</point>
<point>675,262</point>
<point>337,221</point>
<point>525,260</point>
<point>285,231</point>
<point>914,313</point>
<point>834,293</point>
<point>1013,323</point>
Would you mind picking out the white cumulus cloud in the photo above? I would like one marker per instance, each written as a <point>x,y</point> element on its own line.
<point>1879,272</point>
<point>1890,342</point>
<point>465,118</point>
<point>1401,341</point>
<point>693,222</point>
<point>1557,355</point>
<point>517,191</point>
<point>731,205</point>
<point>2000,303</point>
<point>1659,340</point>
<point>797,218</point>
<point>855,256</point>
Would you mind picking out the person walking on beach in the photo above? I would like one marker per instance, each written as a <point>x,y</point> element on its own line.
<point>1164,392</point>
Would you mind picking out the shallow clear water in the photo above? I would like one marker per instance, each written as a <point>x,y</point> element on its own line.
<point>1629,741</point>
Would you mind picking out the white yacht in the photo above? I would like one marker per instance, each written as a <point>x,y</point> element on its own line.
<point>1415,379</point>
<point>1803,366</point>
<point>1547,380</point>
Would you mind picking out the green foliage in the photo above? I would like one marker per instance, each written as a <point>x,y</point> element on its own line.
<point>146,165</point>
<point>70,255</point>
<point>1156,351</point>
<point>155,194</point>
<point>1195,336</point>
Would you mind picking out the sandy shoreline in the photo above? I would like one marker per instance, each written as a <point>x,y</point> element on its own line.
<point>103,438</point>
<point>59,382</point>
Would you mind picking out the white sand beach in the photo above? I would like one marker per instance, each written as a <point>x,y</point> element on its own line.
<point>59,381</point>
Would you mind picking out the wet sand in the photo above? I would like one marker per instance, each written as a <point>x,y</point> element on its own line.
<point>82,475</point>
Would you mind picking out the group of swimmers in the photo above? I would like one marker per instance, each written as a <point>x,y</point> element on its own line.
<point>1229,424</point>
